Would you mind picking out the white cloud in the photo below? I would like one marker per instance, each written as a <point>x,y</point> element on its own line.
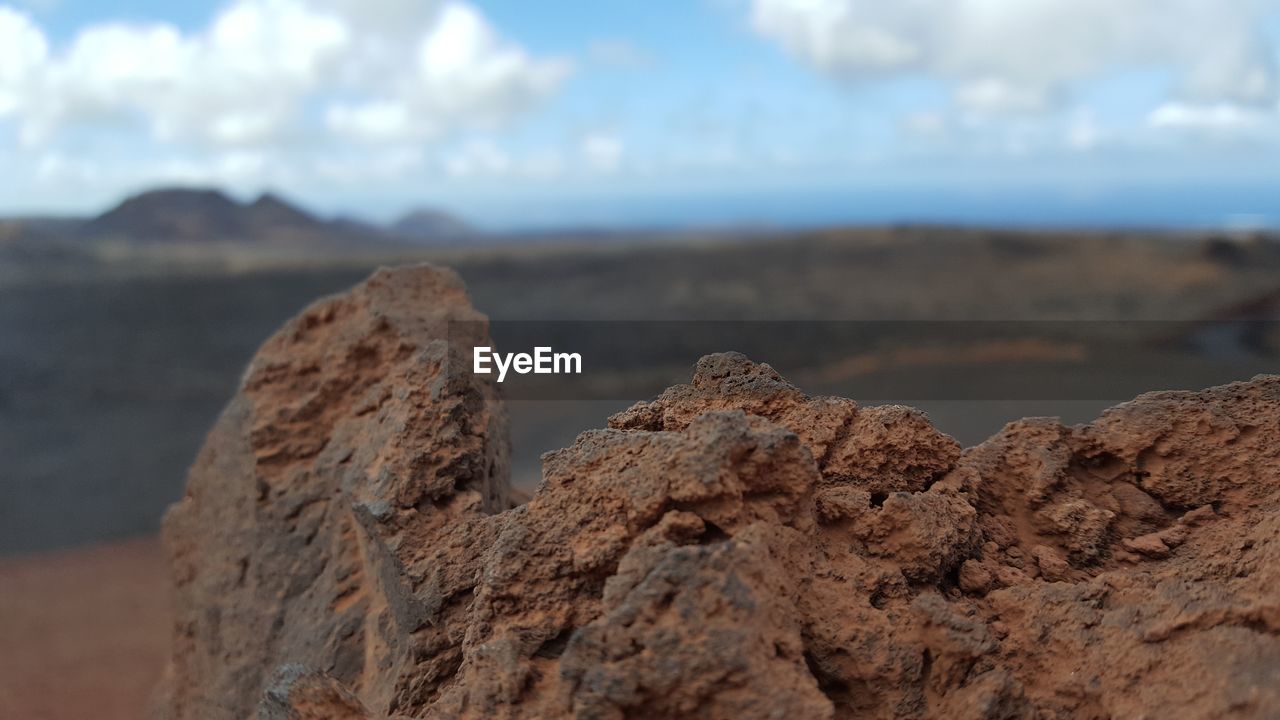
<point>389,21</point>
<point>461,74</point>
<point>602,152</point>
<point>23,50</point>
<point>241,81</point>
<point>379,70</point>
<point>465,70</point>
<point>1216,117</point>
<point>1029,55</point>
<point>483,158</point>
<point>376,121</point>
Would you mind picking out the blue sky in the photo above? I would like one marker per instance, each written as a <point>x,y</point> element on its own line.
<point>540,114</point>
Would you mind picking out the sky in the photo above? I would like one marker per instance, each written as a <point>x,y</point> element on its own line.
<point>519,114</point>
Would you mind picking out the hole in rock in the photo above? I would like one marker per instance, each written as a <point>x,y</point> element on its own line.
<point>554,647</point>
<point>712,534</point>
<point>837,690</point>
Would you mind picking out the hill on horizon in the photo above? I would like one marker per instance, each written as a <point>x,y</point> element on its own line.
<point>200,215</point>
<point>427,223</point>
<point>205,215</point>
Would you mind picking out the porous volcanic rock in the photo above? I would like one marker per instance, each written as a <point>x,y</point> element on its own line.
<point>348,548</point>
<point>331,519</point>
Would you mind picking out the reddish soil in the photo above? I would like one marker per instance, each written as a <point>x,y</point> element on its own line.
<point>83,632</point>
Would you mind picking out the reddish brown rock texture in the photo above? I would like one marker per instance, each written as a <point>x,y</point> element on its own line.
<point>348,548</point>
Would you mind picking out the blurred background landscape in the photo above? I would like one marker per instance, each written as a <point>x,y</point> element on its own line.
<point>984,209</point>
<point>125,333</point>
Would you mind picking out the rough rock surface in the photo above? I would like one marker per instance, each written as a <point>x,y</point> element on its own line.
<point>317,525</point>
<point>734,549</point>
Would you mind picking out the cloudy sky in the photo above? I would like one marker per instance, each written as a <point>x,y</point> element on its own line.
<point>520,114</point>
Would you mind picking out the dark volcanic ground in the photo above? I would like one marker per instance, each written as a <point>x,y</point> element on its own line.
<point>107,388</point>
<point>109,381</point>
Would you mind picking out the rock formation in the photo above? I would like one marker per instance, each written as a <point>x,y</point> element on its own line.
<point>349,548</point>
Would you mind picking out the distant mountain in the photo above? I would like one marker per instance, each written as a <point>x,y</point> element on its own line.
<point>431,225</point>
<point>171,214</point>
<point>208,215</point>
<point>203,215</point>
<point>270,211</point>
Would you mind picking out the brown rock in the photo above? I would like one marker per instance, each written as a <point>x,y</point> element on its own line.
<point>734,549</point>
<point>1150,545</point>
<point>975,577</point>
<point>1199,516</point>
<point>300,539</point>
<point>1053,567</point>
<point>297,694</point>
<point>877,449</point>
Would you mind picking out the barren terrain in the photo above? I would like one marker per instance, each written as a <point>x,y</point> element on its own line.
<point>84,631</point>
<point>113,370</point>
